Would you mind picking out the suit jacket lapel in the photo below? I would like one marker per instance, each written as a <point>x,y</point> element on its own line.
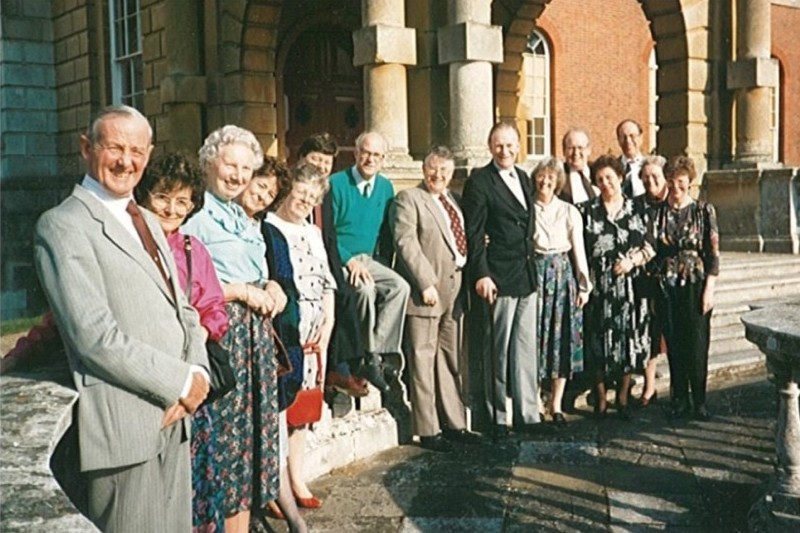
<point>123,240</point>
<point>504,192</point>
<point>442,222</point>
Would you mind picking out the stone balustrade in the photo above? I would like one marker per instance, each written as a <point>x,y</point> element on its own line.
<point>776,331</point>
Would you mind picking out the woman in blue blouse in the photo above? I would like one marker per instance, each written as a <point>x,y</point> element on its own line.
<point>246,419</point>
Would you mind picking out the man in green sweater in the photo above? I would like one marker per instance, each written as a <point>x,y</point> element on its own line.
<point>361,201</point>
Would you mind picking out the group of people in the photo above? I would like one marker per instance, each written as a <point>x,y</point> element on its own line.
<point>295,273</point>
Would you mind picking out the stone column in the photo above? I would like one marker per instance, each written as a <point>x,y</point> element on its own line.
<point>752,75</point>
<point>183,89</point>
<point>384,46</point>
<point>469,45</point>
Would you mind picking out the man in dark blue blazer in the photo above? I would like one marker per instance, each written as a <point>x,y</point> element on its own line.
<point>498,206</point>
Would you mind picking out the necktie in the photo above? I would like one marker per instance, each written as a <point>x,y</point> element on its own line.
<point>366,190</point>
<point>455,225</point>
<point>148,241</point>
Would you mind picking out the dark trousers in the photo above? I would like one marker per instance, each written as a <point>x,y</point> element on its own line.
<point>687,330</point>
<point>345,345</point>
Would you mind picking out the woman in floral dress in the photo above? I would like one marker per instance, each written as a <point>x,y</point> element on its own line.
<point>616,332</point>
<point>246,419</point>
<point>687,245</point>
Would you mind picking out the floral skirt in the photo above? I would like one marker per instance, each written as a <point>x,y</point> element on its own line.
<point>246,419</point>
<point>560,328</point>
<point>207,496</point>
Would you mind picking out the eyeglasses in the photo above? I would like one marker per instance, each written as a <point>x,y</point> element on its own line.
<point>117,151</point>
<point>364,154</point>
<point>181,206</point>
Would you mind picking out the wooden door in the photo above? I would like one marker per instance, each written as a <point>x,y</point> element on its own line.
<point>323,90</point>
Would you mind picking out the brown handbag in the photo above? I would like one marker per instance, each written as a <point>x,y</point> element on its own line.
<point>281,355</point>
<point>307,405</point>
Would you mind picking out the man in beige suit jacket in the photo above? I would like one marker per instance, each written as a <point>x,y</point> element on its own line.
<point>134,344</point>
<point>431,253</point>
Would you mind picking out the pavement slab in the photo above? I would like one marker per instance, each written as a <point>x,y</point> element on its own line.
<point>610,475</point>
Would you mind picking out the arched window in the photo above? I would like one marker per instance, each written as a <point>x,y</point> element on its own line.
<point>775,118</point>
<point>536,96</point>
<point>125,35</point>
<point>652,100</point>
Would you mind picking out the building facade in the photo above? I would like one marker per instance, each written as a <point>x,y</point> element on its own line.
<point>717,80</point>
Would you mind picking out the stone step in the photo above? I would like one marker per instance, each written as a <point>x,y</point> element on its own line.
<point>766,269</point>
<point>755,289</point>
<point>729,338</point>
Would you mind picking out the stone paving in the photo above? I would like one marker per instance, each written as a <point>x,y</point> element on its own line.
<point>649,474</point>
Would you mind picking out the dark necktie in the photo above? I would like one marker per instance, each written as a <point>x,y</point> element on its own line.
<point>366,190</point>
<point>148,241</point>
<point>455,225</point>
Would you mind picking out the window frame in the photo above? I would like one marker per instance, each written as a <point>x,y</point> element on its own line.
<point>127,68</point>
<point>537,40</point>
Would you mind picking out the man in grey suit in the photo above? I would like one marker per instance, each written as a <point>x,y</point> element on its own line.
<point>134,344</point>
<point>431,253</point>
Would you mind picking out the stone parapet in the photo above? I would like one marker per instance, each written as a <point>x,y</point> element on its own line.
<point>470,41</point>
<point>36,411</point>
<point>757,209</point>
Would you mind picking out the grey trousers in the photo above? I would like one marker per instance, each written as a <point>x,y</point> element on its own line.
<point>433,344</point>
<point>155,496</point>
<point>513,360</point>
<point>382,307</point>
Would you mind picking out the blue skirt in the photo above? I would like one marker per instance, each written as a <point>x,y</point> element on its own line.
<point>560,332</point>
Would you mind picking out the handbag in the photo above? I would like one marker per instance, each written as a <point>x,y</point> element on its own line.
<point>281,354</point>
<point>307,405</point>
<point>220,373</point>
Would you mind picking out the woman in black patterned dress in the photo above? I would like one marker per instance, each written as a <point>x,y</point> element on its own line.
<point>615,320</point>
<point>687,246</point>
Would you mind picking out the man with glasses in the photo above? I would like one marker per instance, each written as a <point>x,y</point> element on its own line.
<point>578,187</point>
<point>134,344</point>
<point>361,199</point>
<point>629,138</point>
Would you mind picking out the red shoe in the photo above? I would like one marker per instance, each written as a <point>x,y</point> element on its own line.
<point>308,503</point>
<point>351,385</point>
<point>273,511</point>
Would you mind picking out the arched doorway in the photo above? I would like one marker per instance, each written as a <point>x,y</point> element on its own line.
<point>322,90</point>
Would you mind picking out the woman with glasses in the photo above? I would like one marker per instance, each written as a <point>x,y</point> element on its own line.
<point>298,260</point>
<point>172,187</point>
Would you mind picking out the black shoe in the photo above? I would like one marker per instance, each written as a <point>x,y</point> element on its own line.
<point>500,431</point>
<point>463,436</point>
<point>371,371</point>
<point>702,414</point>
<point>678,411</point>
<point>559,420</point>
<point>435,443</point>
<point>532,429</point>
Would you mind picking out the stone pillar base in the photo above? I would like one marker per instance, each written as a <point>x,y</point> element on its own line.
<point>403,171</point>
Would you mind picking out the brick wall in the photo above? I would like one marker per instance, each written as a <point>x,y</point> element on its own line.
<point>785,24</point>
<point>600,70</point>
<point>78,71</point>
<point>27,91</point>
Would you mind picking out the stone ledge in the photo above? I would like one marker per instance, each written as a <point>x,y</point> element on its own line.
<point>36,411</point>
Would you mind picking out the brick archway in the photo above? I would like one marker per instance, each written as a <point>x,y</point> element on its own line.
<point>684,75</point>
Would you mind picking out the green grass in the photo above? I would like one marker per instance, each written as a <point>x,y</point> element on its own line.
<point>18,325</point>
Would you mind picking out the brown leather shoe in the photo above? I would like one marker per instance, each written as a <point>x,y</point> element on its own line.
<point>347,384</point>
